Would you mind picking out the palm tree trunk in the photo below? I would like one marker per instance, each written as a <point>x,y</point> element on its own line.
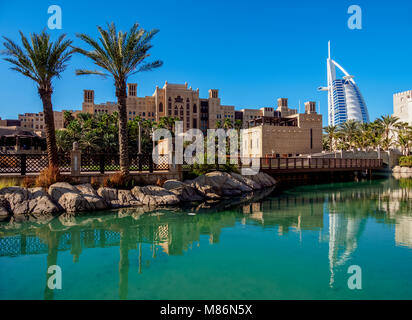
<point>45,96</point>
<point>123,134</point>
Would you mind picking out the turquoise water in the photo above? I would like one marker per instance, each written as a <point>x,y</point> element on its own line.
<point>295,244</point>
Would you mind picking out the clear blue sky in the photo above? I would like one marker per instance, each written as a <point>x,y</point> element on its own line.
<point>253,51</point>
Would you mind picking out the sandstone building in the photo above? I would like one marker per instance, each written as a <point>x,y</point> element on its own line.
<point>402,106</point>
<point>287,134</point>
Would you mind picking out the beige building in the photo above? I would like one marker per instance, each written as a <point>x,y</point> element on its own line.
<point>402,106</point>
<point>288,135</point>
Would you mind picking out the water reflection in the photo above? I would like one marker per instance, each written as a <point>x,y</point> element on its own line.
<point>338,214</point>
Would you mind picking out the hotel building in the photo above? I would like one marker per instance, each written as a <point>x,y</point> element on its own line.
<point>345,101</point>
<point>283,131</point>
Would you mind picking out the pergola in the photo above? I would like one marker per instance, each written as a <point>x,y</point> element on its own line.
<point>273,121</point>
<point>20,140</point>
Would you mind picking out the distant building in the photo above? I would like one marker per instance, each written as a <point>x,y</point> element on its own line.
<point>402,106</point>
<point>345,101</point>
<point>9,123</point>
<point>286,134</point>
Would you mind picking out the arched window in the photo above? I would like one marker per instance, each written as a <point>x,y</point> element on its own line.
<point>187,109</point>
<point>181,113</point>
<point>160,107</point>
<point>194,108</point>
<point>169,107</point>
<point>176,111</point>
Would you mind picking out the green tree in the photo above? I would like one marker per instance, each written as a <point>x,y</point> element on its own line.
<point>121,54</point>
<point>41,60</point>
<point>331,135</point>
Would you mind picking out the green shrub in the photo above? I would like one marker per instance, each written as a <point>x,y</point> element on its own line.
<point>405,161</point>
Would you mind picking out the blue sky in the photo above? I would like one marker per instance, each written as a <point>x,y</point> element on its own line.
<point>252,51</point>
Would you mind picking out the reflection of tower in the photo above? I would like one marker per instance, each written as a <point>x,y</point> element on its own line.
<point>344,233</point>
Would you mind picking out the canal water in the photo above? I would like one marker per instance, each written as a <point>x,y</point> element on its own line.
<point>298,243</point>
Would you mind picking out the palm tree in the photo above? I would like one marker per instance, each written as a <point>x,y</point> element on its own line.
<point>349,130</point>
<point>227,124</point>
<point>41,60</point>
<point>218,124</point>
<point>238,124</point>
<point>331,133</point>
<point>388,124</point>
<point>121,54</point>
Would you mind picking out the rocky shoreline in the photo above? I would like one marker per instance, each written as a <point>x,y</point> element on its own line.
<point>399,172</point>
<point>18,204</point>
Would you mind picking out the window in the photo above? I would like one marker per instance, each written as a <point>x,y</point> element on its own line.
<point>194,108</point>
<point>160,107</point>
<point>176,111</point>
<point>194,123</point>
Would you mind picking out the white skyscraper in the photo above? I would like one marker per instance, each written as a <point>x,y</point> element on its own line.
<point>345,101</point>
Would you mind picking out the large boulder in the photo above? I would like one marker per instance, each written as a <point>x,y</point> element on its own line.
<point>154,196</point>
<point>263,179</point>
<point>126,198</point>
<point>247,181</point>
<point>396,169</point>
<point>5,213</point>
<point>118,198</point>
<point>69,197</point>
<point>220,184</point>
<point>185,192</point>
<point>96,202</point>
<point>34,201</point>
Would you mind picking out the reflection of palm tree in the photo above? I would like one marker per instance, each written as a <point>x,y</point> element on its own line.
<point>123,265</point>
<point>52,244</point>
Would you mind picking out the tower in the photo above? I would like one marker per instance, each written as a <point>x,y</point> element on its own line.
<point>345,101</point>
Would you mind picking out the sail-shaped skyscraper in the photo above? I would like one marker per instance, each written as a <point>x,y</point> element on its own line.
<point>345,101</point>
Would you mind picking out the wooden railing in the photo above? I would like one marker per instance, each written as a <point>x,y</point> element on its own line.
<point>318,163</point>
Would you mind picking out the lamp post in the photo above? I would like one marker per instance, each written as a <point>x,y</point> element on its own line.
<point>139,142</point>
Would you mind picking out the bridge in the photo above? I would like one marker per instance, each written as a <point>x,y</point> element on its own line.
<point>313,165</point>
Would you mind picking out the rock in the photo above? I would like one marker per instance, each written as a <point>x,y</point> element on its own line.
<point>247,181</point>
<point>404,170</point>
<point>126,198</point>
<point>173,184</point>
<point>24,201</point>
<point>213,185</point>
<point>69,198</point>
<point>153,195</point>
<point>263,179</point>
<point>5,213</point>
<point>96,202</point>
<point>185,192</point>
<point>118,198</point>
<point>396,169</point>
<point>108,194</point>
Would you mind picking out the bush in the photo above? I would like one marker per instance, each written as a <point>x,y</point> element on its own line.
<point>5,183</point>
<point>119,181</point>
<point>95,183</point>
<point>405,161</point>
<point>28,182</point>
<point>49,176</point>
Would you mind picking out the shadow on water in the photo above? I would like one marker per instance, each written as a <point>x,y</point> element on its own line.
<point>344,207</point>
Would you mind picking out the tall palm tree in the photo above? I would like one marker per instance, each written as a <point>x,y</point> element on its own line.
<point>331,133</point>
<point>121,54</point>
<point>227,124</point>
<point>41,60</point>
<point>388,125</point>
<point>218,124</point>
<point>349,130</point>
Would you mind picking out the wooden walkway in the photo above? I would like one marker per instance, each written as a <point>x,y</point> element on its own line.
<point>303,165</point>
